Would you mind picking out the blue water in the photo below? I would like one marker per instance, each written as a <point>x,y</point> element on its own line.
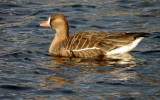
<point>28,72</point>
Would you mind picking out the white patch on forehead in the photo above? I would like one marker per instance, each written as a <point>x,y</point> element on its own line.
<point>49,19</point>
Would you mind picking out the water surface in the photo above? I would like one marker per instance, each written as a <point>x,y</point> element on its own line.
<point>29,72</point>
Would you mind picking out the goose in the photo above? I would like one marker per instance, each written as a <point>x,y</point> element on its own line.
<point>89,43</point>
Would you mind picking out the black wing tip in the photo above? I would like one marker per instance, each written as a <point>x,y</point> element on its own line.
<point>139,34</point>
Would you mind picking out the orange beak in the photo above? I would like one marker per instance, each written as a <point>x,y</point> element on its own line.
<point>45,24</point>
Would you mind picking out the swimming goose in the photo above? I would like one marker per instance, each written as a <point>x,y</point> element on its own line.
<point>88,43</point>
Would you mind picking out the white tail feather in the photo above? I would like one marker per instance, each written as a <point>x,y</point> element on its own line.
<point>126,48</point>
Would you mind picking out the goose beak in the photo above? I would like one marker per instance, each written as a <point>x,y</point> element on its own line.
<point>45,24</point>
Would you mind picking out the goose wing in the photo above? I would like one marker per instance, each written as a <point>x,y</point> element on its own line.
<point>95,43</point>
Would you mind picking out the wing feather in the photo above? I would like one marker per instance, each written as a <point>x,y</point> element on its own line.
<point>94,43</point>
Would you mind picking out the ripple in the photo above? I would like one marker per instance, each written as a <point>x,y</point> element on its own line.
<point>152,52</point>
<point>7,5</point>
<point>77,6</point>
<point>74,22</point>
<point>99,27</point>
<point>56,91</point>
<point>7,97</point>
<point>14,87</point>
<point>146,16</point>
<point>157,37</point>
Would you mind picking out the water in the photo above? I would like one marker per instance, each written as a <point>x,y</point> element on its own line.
<point>28,72</point>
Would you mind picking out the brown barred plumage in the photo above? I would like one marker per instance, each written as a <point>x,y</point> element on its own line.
<point>88,43</point>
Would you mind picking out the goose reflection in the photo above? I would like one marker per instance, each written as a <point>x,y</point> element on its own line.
<point>118,59</point>
<point>77,70</point>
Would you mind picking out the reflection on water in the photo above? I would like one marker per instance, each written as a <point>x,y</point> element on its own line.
<point>118,59</point>
<point>86,69</point>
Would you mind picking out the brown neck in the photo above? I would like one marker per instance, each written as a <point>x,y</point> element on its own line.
<point>61,35</point>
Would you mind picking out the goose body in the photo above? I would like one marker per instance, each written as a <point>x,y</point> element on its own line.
<point>89,43</point>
